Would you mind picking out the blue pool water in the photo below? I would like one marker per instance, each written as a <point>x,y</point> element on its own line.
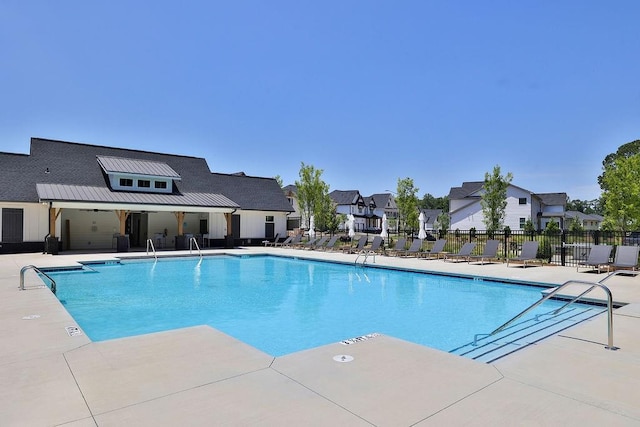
<point>283,305</point>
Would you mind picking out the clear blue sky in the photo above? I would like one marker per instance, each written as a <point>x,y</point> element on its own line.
<point>369,91</point>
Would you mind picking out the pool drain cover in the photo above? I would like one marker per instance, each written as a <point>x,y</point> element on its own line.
<point>73,331</point>
<point>343,358</point>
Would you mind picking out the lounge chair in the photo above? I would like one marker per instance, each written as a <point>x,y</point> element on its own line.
<point>489,252</point>
<point>271,242</point>
<point>375,246</point>
<point>463,254</point>
<point>437,249</point>
<point>285,242</point>
<point>362,241</point>
<point>293,242</point>
<point>598,256</point>
<point>626,257</point>
<point>400,246</point>
<point>318,244</point>
<point>308,244</point>
<point>528,253</point>
<point>414,249</point>
<point>330,244</point>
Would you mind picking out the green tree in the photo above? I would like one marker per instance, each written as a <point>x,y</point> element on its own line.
<point>278,179</point>
<point>407,201</point>
<point>626,150</point>
<point>585,206</point>
<point>430,202</point>
<point>575,226</point>
<point>312,193</point>
<point>442,223</point>
<point>325,217</point>
<point>621,197</point>
<point>494,199</point>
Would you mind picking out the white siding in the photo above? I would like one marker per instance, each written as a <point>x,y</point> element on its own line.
<point>35,220</point>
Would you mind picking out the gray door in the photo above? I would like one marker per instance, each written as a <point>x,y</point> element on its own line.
<point>12,223</point>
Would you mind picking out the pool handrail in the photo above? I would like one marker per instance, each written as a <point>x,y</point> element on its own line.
<point>153,248</point>
<point>591,285</point>
<point>38,271</point>
<point>193,241</point>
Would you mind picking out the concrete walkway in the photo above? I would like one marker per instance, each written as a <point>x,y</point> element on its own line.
<point>200,376</point>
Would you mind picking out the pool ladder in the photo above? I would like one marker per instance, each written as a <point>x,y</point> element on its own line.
<point>592,286</point>
<point>24,269</point>
<point>193,242</point>
<point>153,248</point>
<point>366,256</point>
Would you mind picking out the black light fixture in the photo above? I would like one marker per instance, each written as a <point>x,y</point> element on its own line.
<point>47,170</point>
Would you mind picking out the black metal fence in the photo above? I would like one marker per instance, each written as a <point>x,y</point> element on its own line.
<point>562,248</point>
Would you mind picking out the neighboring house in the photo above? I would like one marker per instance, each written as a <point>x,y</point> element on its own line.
<point>588,221</point>
<point>430,218</point>
<point>295,219</point>
<point>90,197</point>
<point>465,209</point>
<point>352,202</point>
<point>385,204</point>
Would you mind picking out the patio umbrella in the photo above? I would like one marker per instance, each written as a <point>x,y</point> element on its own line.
<point>421,234</point>
<point>384,233</point>
<point>312,232</point>
<point>352,224</point>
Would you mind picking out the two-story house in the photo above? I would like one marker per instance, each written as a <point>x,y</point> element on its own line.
<point>465,210</point>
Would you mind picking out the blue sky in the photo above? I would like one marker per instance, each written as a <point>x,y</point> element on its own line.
<point>367,91</point>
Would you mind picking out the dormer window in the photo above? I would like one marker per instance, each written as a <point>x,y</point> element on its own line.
<point>138,175</point>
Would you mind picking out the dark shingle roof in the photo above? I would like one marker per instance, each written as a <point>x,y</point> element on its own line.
<point>250,192</point>
<point>60,162</point>
<point>466,190</point>
<point>344,197</point>
<point>553,199</point>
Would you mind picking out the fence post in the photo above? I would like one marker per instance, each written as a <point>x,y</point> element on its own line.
<point>563,255</point>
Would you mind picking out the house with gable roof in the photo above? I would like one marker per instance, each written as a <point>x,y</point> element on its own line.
<point>362,208</point>
<point>587,221</point>
<point>465,210</point>
<point>94,197</point>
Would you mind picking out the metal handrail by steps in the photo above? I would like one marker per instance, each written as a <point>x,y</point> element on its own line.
<point>37,270</point>
<point>592,285</point>
<point>153,248</point>
<point>193,241</point>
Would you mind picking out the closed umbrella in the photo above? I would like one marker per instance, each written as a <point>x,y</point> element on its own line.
<point>312,232</point>
<point>352,224</point>
<point>384,233</point>
<point>421,234</point>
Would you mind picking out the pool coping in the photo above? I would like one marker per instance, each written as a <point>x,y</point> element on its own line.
<point>554,379</point>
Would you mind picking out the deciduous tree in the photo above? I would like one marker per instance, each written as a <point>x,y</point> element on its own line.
<point>312,192</point>
<point>407,201</point>
<point>621,197</point>
<point>494,199</point>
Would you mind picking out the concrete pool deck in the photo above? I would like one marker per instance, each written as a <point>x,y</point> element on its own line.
<point>200,376</point>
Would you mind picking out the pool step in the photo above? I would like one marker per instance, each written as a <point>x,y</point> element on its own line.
<point>527,332</point>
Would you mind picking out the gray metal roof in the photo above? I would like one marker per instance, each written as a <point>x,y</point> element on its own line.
<point>137,167</point>
<point>80,193</point>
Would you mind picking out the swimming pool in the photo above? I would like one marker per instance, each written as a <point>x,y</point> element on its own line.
<point>283,305</point>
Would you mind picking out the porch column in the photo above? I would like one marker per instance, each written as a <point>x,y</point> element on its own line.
<point>53,216</point>
<point>122,217</point>
<point>227,216</point>
<point>180,220</point>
